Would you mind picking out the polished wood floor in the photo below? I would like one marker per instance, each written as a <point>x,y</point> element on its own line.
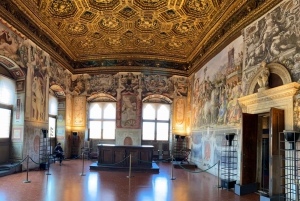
<point>66,184</point>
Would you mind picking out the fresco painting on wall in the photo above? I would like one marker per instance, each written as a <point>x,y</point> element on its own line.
<point>130,107</point>
<point>38,96</point>
<point>180,109</point>
<point>217,87</point>
<point>196,146</point>
<point>129,82</point>
<point>156,84</point>
<point>103,83</point>
<point>274,38</point>
<point>79,110</point>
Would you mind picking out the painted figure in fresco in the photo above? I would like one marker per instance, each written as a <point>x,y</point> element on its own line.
<point>9,44</point>
<point>128,108</point>
<point>263,78</point>
<point>276,37</point>
<point>222,107</point>
<point>211,107</point>
<point>233,107</point>
<point>38,100</point>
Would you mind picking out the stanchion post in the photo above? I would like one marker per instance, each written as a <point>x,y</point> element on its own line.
<point>82,174</point>
<point>129,176</point>
<point>27,181</point>
<point>172,166</point>
<point>48,173</point>
<point>218,185</point>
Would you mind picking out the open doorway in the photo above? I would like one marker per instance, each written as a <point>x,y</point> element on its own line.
<point>263,147</point>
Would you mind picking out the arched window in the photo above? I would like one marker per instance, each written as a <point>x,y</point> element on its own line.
<point>156,121</point>
<point>102,120</point>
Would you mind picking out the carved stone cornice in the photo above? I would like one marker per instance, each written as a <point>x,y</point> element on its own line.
<point>273,94</point>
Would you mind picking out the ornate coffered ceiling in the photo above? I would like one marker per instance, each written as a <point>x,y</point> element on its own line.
<point>165,36</point>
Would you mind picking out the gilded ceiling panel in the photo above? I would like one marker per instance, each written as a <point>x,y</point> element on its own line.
<point>176,35</point>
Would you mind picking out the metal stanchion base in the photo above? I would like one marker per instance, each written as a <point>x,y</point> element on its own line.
<point>48,173</point>
<point>82,174</point>
<point>129,176</point>
<point>26,181</point>
<point>217,186</point>
<point>173,178</point>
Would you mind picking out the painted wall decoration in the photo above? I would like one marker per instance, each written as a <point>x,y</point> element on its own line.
<point>129,109</point>
<point>274,38</point>
<point>38,97</point>
<point>156,84</point>
<point>216,88</point>
<point>129,82</point>
<point>79,111</point>
<point>180,111</point>
<point>103,83</point>
<point>196,147</point>
<point>180,85</point>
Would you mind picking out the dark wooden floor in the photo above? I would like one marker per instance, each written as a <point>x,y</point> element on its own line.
<point>66,184</point>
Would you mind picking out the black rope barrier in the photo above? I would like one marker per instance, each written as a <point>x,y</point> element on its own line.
<point>196,171</point>
<point>112,164</point>
<point>13,166</point>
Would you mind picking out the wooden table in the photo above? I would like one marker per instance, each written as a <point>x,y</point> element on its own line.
<point>119,155</point>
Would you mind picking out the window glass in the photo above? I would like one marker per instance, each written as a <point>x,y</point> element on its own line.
<point>102,120</point>
<point>148,130</point>
<point>95,111</point>
<point>163,112</point>
<point>5,117</point>
<point>162,131</point>
<point>148,111</point>
<point>109,111</point>
<point>95,129</point>
<point>156,121</point>
<point>109,129</point>
<point>7,90</point>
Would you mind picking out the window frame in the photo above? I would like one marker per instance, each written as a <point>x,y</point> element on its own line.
<point>156,121</point>
<point>102,120</point>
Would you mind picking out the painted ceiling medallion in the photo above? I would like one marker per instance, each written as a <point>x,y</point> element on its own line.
<point>147,24</point>
<point>144,42</point>
<point>76,29</point>
<point>86,44</point>
<point>128,12</point>
<point>175,45</point>
<point>110,23</point>
<point>62,8</point>
<point>197,5</point>
<point>184,28</point>
<point>114,41</point>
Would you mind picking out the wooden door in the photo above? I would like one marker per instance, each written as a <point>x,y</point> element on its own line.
<point>276,126</point>
<point>248,148</point>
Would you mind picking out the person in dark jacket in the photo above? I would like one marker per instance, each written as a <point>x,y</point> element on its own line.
<point>59,152</point>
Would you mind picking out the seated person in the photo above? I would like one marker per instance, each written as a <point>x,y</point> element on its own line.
<point>59,152</point>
